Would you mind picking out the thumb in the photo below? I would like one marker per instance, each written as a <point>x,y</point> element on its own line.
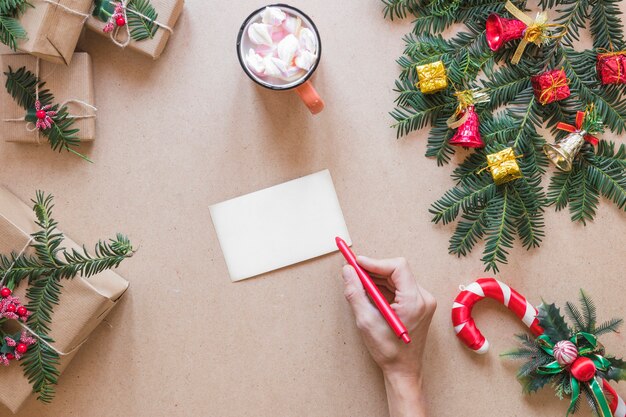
<point>354,291</point>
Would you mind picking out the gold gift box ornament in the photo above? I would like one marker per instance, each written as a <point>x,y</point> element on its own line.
<point>432,77</point>
<point>503,166</point>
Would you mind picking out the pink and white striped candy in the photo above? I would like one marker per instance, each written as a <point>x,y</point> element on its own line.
<point>464,324</point>
<point>565,352</point>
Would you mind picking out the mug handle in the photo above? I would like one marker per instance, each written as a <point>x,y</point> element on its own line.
<point>310,97</point>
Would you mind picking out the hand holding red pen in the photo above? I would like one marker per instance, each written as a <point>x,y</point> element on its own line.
<point>401,363</point>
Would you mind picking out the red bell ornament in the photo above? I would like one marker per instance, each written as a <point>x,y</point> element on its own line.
<point>500,30</point>
<point>583,369</point>
<point>468,134</point>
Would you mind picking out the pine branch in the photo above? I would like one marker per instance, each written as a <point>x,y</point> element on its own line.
<point>472,193</point>
<point>141,27</point>
<point>41,369</point>
<point>399,8</point>
<point>589,312</point>
<point>583,196</point>
<point>22,84</point>
<point>500,229</point>
<point>530,224</point>
<point>606,25</point>
<point>560,189</point>
<point>611,326</point>
<point>11,31</point>
<point>469,230</point>
<point>575,316</point>
<point>438,145</point>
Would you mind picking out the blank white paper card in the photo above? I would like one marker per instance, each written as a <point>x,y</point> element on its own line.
<point>279,226</point>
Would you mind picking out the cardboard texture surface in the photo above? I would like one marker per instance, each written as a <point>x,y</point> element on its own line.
<point>168,13</point>
<point>190,130</point>
<point>52,30</point>
<point>73,82</point>
<point>279,226</point>
<point>83,304</point>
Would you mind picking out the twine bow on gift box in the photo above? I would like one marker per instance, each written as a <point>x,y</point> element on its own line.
<point>537,32</point>
<point>583,366</point>
<point>121,9</point>
<point>466,98</point>
<point>42,116</point>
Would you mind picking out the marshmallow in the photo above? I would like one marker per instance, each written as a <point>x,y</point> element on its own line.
<point>255,62</point>
<point>308,41</point>
<point>259,33</point>
<point>287,48</point>
<point>306,60</point>
<point>274,67</point>
<point>292,24</point>
<point>273,16</point>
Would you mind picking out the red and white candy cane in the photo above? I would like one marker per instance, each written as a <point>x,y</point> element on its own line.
<point>464,324</point>
<point>466,329</point>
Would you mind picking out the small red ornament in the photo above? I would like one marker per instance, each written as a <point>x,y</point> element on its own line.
<point>10,356</point>
<point>120,21</point>
<point>11,308</point>
<point>611,67</point>
<point>583,369</point>
<point>21,348</point>
<point>41,114</point>
<point>500,30</point>
<point>565,352</point>
<point>468,134</point>
<point>550,86</point>
<point>22,311</point>
<point>5,292</point>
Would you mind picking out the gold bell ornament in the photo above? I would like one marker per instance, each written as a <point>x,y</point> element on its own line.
<point>563,151</point>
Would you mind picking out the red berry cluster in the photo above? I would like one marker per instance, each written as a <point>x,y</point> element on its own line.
<point>13,347</point>
<point>117,17</point>
<point>10,306</point>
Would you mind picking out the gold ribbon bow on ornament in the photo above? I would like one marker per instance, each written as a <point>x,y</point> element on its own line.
<point>466,98</point>
<point>537,32</point>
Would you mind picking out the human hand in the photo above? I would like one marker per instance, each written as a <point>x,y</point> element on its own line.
<point>413,305</point>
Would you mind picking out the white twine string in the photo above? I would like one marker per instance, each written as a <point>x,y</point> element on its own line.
<point>24,326</point>
<point>125,10</point>
<point>67,9</point>
<point>31,127</point>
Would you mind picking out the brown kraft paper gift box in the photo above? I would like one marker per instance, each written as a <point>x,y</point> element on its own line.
<point>73,82</point>
<point>83,304</point>
<point>168,13</point>
<point>53,28</point>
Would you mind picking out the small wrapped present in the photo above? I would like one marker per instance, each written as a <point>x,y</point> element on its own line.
<point>503,166</point>
<point>611,67</point>
<point>550,86</point>
<point>71,85</point>
<point>83,303</point>
<point>143,25</point>
<point>53,28</point>
<point>432,77</point>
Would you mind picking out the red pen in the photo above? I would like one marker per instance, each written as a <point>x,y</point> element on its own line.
<point>373,291</point>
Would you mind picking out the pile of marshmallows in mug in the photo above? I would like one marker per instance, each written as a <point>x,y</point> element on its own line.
<point>284,49</point>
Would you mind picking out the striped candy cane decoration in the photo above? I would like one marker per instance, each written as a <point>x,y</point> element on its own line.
<point>464,324</point>
<point>466,329</point>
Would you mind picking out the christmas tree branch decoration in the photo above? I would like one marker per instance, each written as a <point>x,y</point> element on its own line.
<point>139,16</point>
<point>551,81</point>
<point>11,31</point>
<point>44,272</point>
<point>51,120</point>
<point>567,356</point>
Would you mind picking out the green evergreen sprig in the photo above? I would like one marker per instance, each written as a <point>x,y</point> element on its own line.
<point>11,30</point>
<point>557,328</point>
<point>142,27</point>
<point>513,117</point>
<point>22,85</point>
<point>44,272</point>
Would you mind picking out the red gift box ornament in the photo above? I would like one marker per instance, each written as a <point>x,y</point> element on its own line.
<point>550,86</point>
<point>466,119</point>
<point>611,67</point>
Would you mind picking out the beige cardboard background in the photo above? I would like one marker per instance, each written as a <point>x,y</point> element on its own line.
<point>189,130</point>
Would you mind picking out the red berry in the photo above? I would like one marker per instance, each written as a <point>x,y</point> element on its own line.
<point>21,311</point>
<point>10,356</point>
<point>21,348</point>
<point>120,21</point>
<point>11,308</point>
<point>41,114</point>
<point>5,292</point>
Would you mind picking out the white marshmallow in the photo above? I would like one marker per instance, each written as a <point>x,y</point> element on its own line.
<point>292,24</point>
<point>274,67</point>
<point>308,41</point>
<point>255,62</point>
<point>287,48</point>
<point>306,60</point>
<point>259,34</point>
<point>273,16</point>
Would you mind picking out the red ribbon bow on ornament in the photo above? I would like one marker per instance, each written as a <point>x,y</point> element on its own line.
<point>580,117</point>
